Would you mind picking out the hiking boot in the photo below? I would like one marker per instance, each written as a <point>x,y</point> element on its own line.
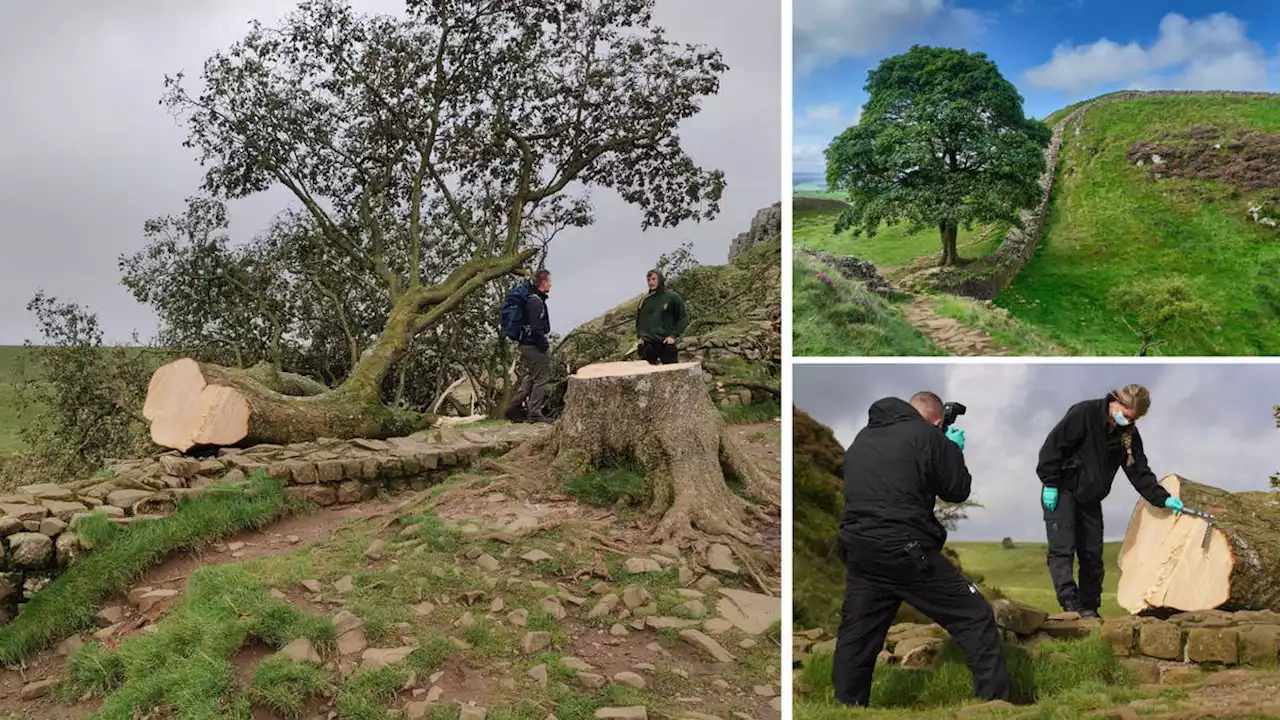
<point>514,413</point>
<point>1086,613</point>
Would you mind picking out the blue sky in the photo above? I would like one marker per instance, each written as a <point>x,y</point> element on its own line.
<point>1055,51</point>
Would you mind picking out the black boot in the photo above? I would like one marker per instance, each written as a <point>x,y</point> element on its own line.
<point>514,413</point>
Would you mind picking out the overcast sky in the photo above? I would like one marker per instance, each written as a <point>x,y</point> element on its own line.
<point>88,154</point>
<point>1208,423</point>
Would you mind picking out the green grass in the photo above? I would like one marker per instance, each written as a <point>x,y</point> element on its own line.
<point>1022,575</point>
<point>1003,328</point>
<point>11,358</point>
<point>70,602</point>
<point>1080,675</point>
<point>1110,226</point>
<point>891,246</point>
<point>606,487</point>
<point>753,413</point>
<point>848,322</point>
<point>185,664</point>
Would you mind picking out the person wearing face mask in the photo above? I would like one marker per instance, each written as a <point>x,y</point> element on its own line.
<point>891,543</point>
<point>1077,465</point>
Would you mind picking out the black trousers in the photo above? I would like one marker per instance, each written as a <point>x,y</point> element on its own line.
<point>875,588</point>
<point>1074,530</point>
<point>657,352</point>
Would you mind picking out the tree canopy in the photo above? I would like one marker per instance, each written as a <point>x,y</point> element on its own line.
<point>942,143</point>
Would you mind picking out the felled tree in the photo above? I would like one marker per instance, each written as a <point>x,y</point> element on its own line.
<point>456,131</point>
<point>1160,304</point>
<point>942,143</point>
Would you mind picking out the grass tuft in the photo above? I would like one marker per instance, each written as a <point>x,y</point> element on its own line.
<point>622,484</point>
<point>284,686</point>
<point>753,413</point>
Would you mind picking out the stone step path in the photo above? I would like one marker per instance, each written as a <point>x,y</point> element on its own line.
<point>949,334</point>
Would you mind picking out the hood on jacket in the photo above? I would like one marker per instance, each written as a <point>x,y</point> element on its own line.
<point>891,411</point>
<point>662,280</point>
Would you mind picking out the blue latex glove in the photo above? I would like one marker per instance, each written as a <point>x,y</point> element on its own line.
<point>956,435</point>
<point>1049,498</point>
<point>1174,504</point>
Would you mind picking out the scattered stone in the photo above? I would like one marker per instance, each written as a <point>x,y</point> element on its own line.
<point>635,596</point>
<point>720,559</point>
<point>423,609</point>
<point>535,556</point>
<point>472,712</point>
<point>706,644</point>
<point>488,563</point>
<point>605,606</point>
<point>707,583</point>
<point>639,565</point>
<point>467,620</point>
<point>345,584</point>
<point>618,630</point>
<point>539,674</point>
<point>630,678</point>
<point>637,712</point>
<point>1180,675</point>
<point>301,650</point>
<point>647,667</point>
<point>720,684</point>
<point>920,653</point>
<point>67,548</point>
<point>37,690</point>
<point>109,615</point>
<point>716,626</point>
<point>753,613</point>
<point>575,663</point>
<point>645,610</point>
<point>292,539</point>
<point>416,710</point>
<point>70,645</point>
<point>1144,671</point>
<point>532,642</point>
<point>497,605</point>
<point>312,586</point>
<point>374,551</point>
<point>747,643</point>
<point>763,690</point>
<point>519,618</point>
<point>1021,619</point>
<point>692,608</point>
<point>379,658</point>
<point>149,600</point>
<point>435,693</point>
<point>591,680</point>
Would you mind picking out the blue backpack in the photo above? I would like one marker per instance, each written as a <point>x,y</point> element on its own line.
<point>513,312</point>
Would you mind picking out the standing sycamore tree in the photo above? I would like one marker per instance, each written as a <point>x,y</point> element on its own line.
<point>942,143</point>
<point>428,153</point>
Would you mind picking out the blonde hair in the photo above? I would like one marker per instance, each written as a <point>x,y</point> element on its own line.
<point>1135,397</point>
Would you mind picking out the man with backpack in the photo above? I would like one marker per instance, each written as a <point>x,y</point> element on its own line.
<point>660,320</point>
<point>525,320</point>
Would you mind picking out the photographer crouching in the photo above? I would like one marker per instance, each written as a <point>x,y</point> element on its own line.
<point>906,457</point>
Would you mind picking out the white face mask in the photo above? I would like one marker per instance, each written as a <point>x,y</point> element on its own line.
<point>1120,419</point>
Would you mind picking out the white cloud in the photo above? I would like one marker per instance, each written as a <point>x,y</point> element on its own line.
<point>813,131</point>
<point>825,31</point>
<point>829,116</point>
<point>1209,53</point>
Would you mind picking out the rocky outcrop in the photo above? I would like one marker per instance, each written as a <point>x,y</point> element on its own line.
<point>766,224</point>
<point>986,278</point>
<point>37,523</point>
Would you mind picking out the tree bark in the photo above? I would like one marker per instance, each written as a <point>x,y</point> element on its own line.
<point>191,404</point>
<point>950,255</point>
<point>286,383</point>
<point>662,418</point>
<point>1163,566</point>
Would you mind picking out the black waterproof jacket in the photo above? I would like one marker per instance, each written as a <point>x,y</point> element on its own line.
<point>894,472</point>
<point>537,320</point>
<point>1083,452</point>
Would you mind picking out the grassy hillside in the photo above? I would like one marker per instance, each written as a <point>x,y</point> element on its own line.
<point>892,246</point>
<point>10,372</point>
<point>1021,573</point>
<point>847,320</point>
<point>1112,225</point>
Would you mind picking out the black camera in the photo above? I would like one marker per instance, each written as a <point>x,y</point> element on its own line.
<point>951,411</point>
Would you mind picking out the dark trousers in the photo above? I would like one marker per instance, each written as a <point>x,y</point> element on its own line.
<point>657,352</point>
<point>873,592</point>
<point>533,386</point>
<point>1074,530</point>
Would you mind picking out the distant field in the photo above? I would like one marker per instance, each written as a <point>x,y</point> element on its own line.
<point>892,246</point>
<point>1024,577</point>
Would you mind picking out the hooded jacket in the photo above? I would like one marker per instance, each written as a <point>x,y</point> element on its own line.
<point>1083,452</point>
<point>537,320</point>
<point>894,472</point>
<point>661,314</point>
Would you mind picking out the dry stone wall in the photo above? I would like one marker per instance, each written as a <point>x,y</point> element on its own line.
<point>986,278</point>
<point>37,523</point>
<point>1170,650</point>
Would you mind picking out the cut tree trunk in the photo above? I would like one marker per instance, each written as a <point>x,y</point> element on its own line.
<point>1163,566</point>
<point>662,418</point>
<point>191,404</point>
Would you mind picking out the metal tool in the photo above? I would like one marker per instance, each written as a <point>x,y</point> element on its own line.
<point>1208,530</point>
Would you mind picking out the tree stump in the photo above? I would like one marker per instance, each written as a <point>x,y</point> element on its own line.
<point>1164,567</point>
<point>662,418</point>
<point>191,404</point>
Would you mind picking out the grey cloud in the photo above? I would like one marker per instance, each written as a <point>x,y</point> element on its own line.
<point>1210,423</point>
<point>89,154</point>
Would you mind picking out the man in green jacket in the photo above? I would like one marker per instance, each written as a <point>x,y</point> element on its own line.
<point>660,320</point>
